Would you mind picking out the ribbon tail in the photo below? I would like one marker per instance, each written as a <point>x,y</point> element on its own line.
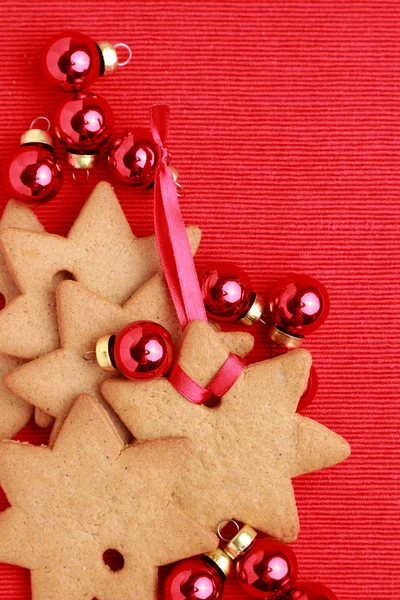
<point>179,269</point>
<point>166,251</point>
<point>159,118</point>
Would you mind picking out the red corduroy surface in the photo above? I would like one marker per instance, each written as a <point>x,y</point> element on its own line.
<point>285,127</point>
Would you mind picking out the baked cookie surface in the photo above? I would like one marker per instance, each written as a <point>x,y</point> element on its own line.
<point>88,495</point>
<point>53,381</point>
<point>247,448</point>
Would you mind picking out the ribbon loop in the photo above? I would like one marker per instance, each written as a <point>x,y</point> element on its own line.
<point>218,386</point>
<point>229,373</point>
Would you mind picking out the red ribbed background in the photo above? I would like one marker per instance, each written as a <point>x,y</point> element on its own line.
<point>285,127</point>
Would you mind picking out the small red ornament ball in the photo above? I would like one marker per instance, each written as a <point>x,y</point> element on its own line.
<point>143,350</point>
<point>299,304</point>
<point>311,591</point>
<point>84,121</point>
<point>311,390</point>
<point>227,292</point>
<point>33,174</point>
<point>132,158</point>
<point>194,579</point>
<point>267,569</point>
<point>71,60</point>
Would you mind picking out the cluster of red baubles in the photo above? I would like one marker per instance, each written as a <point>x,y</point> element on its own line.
<point>83,123</point>
<point>298,305</point>
<point>264,567</point>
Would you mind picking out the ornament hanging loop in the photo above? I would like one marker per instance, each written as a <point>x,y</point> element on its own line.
<point>128,49</point>
<point>181,190</point>
<point>175,174</point>
<point>222,524</point>
<point>90,356</point>
<point>41,118</point>
<point>83,181</point>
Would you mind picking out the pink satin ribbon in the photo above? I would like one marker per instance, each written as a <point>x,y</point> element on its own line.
<point>180,272</point>
<point>220,384</point>
<point>172,239</point>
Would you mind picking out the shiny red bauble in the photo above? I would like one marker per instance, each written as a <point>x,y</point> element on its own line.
<point>299,304</point>
<point>33,174</point>
<point>194,579</point>
<point>227,291</point>
<point>84,121</point>
<point>267,569</point>
<point>311,591</point>
<point>143,350</point>
<point>311,390</point>
<point>132,157</point>
<point>71,60</point>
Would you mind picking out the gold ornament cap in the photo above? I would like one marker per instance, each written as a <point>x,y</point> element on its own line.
<point>103,353</point>
<point>81,161</point>
<point>255,311</point>
<point>240,542</point>
<point>37,136</point>
<point>281,338</point>
<point>222,560</point>
<point>109,56</point>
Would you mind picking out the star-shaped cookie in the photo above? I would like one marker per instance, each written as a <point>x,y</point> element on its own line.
<point>88,495</point>
<point>14,412</point>
<point>100,252</point>
<point>53,381</point>
<point>15,215</point>
<point>248,448</point>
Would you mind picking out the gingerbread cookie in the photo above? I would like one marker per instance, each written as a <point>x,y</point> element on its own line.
<point>100,252</point>
<point>14,412</point>
<point>14,215</point>
<point>248,448</point>
<point>88,495</point>
<point>52,382</point>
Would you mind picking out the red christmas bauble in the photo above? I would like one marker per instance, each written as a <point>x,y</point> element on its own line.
<point>311,591</point>
<point>143,350</point>
<point>267,569</point>
<point>84,121</point>
<point>71,60</point>
<point>311,390</point>
<point>194,579</point>
<point>33,174</point>
<point>227,292</point>
<point>132,157</point>
<point>299,304</point>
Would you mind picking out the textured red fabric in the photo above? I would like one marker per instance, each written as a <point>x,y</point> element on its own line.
<point>285,127</point>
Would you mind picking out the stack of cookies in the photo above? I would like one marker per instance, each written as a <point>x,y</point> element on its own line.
<point>131,466</point>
